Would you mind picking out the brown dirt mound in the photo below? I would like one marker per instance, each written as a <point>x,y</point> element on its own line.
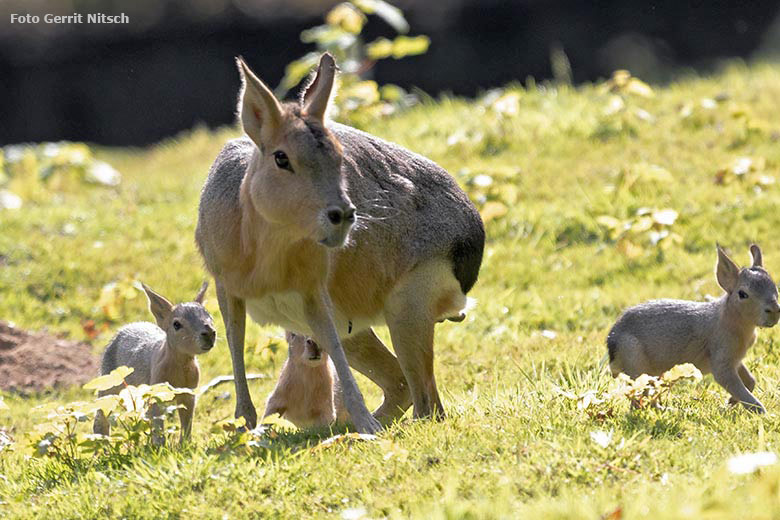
<point>36,361</point>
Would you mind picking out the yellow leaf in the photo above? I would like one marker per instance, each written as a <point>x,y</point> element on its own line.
<point>345,438</point>
<point>410,46</point>
<point>684,371</point>
<point>281,423</point>
<point>492,210</point>
<point>379,49</point>
<point>665,217</point>
<point>228,425</point>
<point>347,17</point>
<point>609,222</point>
<point>115,378</point>
<point>133,398</point>
<point>629,249</point>
<point>639,87</point>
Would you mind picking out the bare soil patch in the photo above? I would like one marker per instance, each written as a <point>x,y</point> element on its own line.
<point>36,361</point>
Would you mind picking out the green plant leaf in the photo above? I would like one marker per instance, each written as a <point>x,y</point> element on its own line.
<point>347,17</point>
<point>387,12</point>
<point>115,378</point>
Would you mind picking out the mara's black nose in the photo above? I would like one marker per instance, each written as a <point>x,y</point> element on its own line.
<point>209,336</point>
<point>337,215</point>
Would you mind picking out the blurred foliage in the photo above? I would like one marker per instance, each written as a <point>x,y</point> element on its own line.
<point>35,172</point>
<point>359,100</point>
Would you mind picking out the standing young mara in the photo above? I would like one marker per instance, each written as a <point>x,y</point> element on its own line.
<point>162,353</point>
<point>326,231</point>
<point>652,337</point>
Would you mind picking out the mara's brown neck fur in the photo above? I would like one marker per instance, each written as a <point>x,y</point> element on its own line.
<point>271,260</point>
<point>177,368</point>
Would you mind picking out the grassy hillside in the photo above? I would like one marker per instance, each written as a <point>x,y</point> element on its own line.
<point>594,198</point>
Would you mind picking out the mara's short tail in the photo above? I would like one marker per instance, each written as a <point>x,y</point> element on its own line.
<point>612,346</point>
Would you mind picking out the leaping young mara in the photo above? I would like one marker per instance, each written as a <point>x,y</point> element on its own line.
<point>327,231</point>
<point>652,337</point>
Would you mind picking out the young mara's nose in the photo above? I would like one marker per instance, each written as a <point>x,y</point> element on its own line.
<point>772,308</point>
<point>337,215</point>
<point>209,336</point>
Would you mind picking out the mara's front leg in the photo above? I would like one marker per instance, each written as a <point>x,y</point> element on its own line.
<point>727,376</point>
<point>319,315</point>
<point>234,315</point>
<point>185,414</point>
<point>747,378</point>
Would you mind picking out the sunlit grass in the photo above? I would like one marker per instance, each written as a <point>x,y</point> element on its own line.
<point>512,445</point>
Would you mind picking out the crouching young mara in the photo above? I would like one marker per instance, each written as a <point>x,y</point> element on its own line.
<point>327,231</point>
<point>308,392</point>
<point>652,337</point>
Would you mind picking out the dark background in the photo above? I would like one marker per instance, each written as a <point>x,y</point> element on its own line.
<point>172,66</point>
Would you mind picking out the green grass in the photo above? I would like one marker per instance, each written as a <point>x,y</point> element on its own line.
<point>512,446</point>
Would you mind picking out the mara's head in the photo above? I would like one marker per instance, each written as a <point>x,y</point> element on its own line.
<point>188,327</point>
<point>294,179</point>
<point>752,293</point>
<point>304,351</point>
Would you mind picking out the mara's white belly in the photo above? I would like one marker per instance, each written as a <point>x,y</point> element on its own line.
<point>286,310</point>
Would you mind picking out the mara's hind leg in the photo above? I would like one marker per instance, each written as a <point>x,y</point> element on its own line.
<point>413,341</point>
<point>630,358</point>
<point>368,355</point>
<point>424,296</point>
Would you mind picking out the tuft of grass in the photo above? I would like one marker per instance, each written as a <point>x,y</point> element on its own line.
<point>544,165</point>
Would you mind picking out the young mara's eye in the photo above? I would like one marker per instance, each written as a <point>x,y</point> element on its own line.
<point>742,295</point>
<point>282,161</point>
<point>176,324</point>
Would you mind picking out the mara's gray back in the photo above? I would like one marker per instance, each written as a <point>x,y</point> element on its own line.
<point>134,346</point>
<point>405,203</point>
<point>657,324</point>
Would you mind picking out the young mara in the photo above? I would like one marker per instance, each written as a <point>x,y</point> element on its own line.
<point>326,230</point>
<point>162,353</point>
<point>652,337</point>
<point>308,391</point>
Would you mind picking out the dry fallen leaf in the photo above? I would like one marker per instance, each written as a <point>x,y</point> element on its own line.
<point>492,210</point>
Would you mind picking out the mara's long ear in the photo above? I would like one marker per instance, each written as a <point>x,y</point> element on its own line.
<point>202,292</point>
<point>758,258</point>
<point>259,110</point>
<point>317,95</point>
<point>160,307</point>
<point>727,271</point>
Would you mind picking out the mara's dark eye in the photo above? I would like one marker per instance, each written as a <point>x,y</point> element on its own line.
<point>742,295</point>
<point>176,324</point>
<point>282,161</point>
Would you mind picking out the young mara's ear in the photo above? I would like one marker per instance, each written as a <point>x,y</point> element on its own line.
<point>727,271</point>
<point>202,292</point>
<point>317,95</point>
<point>160,307</point>
<point>259,111</point>
<point>758,258</point>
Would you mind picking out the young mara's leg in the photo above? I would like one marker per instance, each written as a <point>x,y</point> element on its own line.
<point>100,425</point>
<point>631,358</point>
<point>185,414</point>
<point>727,377</point>
<point>234,315</point>
<point>275,405</point>
<point>747,378</point>
<point>368,355</point>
